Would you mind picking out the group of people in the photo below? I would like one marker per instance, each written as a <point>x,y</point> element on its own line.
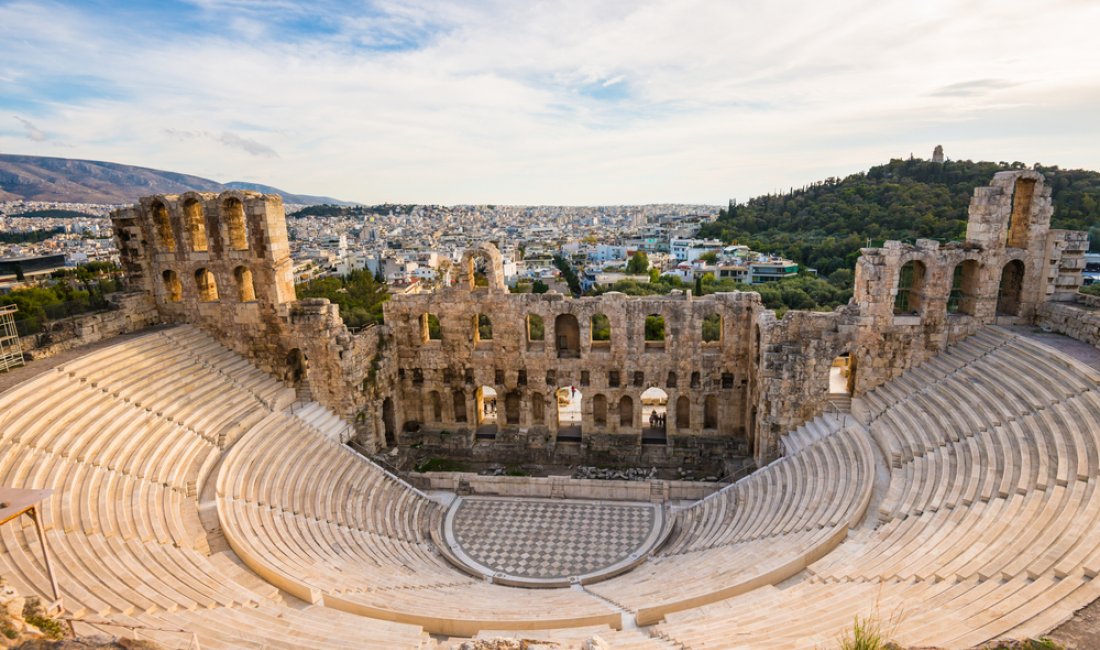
<point>657,420</point>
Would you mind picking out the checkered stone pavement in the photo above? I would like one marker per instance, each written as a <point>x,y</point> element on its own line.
<point>535,538</point>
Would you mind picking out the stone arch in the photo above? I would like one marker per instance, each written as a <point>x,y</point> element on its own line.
<point>430,329</point>
<point>389,422</point>
<point>492,263</point>
<point>655,331</point>
<point>1010,290</point>
<point>436,406</point>
<point>1018,228</point>
<point>567,336</point>
<point>711,328</point>
<point>696,380</point>
<point>654,414</point>
<point>173,289</point>
<point>458,405</point>
<point>710,412</point>
<point>195,222</point>
<point>207,285</point>
<point>909,288</point>
<point>536,329</point>
<point>683,412</point>
<point>246,287</point>
<point>483,328</point>
<point>486,406</point>
<point>599,410</point>
<point>671,381</point>
<point>236,223</point>
<point>297,367</point>
<point>626,412</point>
<point>965,281</point>
<point>162,224</point>
<point>600,333</point>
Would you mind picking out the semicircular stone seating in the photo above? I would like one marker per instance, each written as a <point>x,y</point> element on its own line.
<point>989,524</point>
<point>160,444</point>
<point>124,436</point>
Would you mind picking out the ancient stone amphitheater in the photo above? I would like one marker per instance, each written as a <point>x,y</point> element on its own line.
<point>203,491</point>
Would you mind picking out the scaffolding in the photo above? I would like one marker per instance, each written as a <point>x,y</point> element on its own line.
<point>11,352</point>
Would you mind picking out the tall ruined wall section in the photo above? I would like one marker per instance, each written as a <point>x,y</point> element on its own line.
<point>914,300</point>
<point>441,379</point>
<point>796,356</point>
<point>222,262</point>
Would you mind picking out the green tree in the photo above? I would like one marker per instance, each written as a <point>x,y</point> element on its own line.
<point>538,286</point>
<point>638,264</point>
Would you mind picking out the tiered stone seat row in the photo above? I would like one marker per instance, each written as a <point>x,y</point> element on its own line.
<point>325,524</point>
<point>762,529</point>
<point>324,422</point>
<point>122,525</point>
<point>812,431</point>
<point>988,528</point>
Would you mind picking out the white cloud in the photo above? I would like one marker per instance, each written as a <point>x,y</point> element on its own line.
<point>31,131</point>
<point>433,101</point>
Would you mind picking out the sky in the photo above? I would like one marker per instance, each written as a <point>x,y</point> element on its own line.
<point>574,102</point>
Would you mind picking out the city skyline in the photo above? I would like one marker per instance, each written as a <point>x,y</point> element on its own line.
<point>565,104</point>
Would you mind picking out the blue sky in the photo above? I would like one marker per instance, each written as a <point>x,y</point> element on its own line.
<point>574,102</point>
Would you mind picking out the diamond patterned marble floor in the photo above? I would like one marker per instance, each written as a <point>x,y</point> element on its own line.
<point>550,538</point>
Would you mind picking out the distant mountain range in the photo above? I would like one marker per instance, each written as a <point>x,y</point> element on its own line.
<point>39,178</point>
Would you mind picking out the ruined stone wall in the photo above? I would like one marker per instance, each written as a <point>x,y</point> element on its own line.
<point>796,355</point>
<point>129,312</point>
<point>438,380</point>
<point>1076,320</point>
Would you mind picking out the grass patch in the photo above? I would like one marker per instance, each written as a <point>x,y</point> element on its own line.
<point>36,616</point>
<point>866,634</point>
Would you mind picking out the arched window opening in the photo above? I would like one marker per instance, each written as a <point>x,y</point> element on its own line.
<point>710,412</point>
<point>486,412</point>
<point>538,408</point>
<point>436,406</point>
<point>207,285</point>
<point>458,404</point>
<point>246,288</point>
<point>907,301</point>
<point>568,400</point>
<point>683,412</point>
<point>389,424</point>
<point>429,328</point>
<point>235,223</point>
<point>964,288</point>
<point>173,290</point>
<point>536,330</point>
<point>696,380</point>
<point>196,224</point>
<point>599,410</point>
<point>601,331</point>
<point>626,412</point>
<point>654,331</point>
<point>567,336</point>
<point>654,416</point>
<point>483,328</point>
<point>1019,219</point>
<point>712,329</point>
<point>295,367</point>
<point>671,381</point>
<point>840,375</point>
<point>166,238</point>
<point>511,408</point>
<point>1011,289</point>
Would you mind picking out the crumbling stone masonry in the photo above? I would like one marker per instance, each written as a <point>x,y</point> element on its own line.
<point>475,371</point>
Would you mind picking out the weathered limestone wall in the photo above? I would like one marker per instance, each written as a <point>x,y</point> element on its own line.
<point>222,262</point>
<point>129,312</point>
<point>1080,321</point>
<point>439,380</point>
<point>796,354</point>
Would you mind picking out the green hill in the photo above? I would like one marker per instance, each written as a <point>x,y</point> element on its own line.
<point>824,225</point>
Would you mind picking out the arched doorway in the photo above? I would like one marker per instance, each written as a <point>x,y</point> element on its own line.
<point>841,375</point>
<point>626,412</point>
<point>486,412</point>
<point>568,400</point>
<point>567,336</point>
<point>389,423</point>
<point>296,367</point>
<point>654,416</point>
<point>1011,289</point>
